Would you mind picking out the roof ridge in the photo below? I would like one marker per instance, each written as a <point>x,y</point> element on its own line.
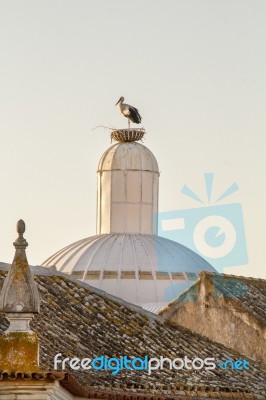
<point>52,272</point>
<point>202,273</point>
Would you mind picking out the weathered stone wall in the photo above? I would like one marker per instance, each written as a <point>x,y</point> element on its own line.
<point>223,322</point>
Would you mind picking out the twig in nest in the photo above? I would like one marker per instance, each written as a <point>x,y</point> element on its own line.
<point>102,126</point>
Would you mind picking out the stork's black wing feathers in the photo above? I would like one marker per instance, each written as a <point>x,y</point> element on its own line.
<point>134,115</point>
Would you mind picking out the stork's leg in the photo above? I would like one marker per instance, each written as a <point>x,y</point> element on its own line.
<point>128,123</point>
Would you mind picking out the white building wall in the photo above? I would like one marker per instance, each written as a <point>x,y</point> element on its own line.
<point>34,390</point>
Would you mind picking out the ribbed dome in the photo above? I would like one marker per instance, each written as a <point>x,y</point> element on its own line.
<point>138,268</point>
<point>128,156</point>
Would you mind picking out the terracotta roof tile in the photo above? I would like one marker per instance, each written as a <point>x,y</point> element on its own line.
<point>70,383</point>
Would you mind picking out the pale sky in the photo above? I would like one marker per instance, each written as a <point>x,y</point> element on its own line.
<point>196,70</point>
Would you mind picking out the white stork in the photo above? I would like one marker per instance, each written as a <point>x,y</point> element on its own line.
<point>130,112</point>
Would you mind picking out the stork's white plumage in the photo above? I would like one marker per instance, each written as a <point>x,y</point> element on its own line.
<point>130,112</point>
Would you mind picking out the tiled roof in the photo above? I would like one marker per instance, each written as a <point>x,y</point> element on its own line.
<point>248,293</point>
<point>72,386</point>
<point>124,392</point>
<point>78,320</point>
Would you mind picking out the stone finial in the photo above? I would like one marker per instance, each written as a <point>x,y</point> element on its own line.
<point>19,300</point>
<point>19,293</point>
<point>20,243</point>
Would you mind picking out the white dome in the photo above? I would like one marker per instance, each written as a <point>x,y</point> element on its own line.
<point>138,268</point>
<point>128,156</point>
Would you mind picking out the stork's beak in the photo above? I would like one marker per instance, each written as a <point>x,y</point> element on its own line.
<point>118,101</point>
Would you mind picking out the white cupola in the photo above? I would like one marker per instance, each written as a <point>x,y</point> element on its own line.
<point>127,198</point>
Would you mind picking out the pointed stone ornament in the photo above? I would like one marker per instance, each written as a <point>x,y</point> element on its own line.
<point>19,301</point>
<point>19,293</point>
